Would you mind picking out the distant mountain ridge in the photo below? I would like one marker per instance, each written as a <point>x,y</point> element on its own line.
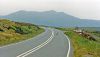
<point>51,18</point>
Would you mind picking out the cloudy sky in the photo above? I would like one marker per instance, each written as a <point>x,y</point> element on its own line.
<point>84,9</point>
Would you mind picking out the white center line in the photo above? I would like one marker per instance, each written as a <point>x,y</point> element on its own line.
<point>38,47</point>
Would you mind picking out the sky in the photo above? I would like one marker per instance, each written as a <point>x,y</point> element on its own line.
<point>84,9</point>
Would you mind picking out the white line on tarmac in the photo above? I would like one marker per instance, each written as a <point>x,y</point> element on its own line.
<point>38,47</point>
<point>69,47</point>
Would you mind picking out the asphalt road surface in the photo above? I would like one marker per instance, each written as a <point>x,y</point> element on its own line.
<point>51,43</point>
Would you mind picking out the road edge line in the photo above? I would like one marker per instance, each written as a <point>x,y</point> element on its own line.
<point>68,53</point>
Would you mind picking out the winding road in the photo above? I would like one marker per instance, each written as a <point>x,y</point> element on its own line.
<point>51,43</point>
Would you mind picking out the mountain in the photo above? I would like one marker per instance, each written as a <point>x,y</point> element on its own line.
<point>51,18</point>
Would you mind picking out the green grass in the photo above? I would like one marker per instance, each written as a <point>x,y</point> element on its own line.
<point>18,38</point>
<point>83,46</point>
<point>94,31</point>
<point>12,32</point>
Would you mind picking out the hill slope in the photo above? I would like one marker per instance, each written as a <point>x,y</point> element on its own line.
<point>50,18</point>
<point>11,32</point>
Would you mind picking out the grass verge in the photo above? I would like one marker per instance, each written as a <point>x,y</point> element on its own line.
<point>12,32</point>
<point>82,46</point>
<point>18,37</point>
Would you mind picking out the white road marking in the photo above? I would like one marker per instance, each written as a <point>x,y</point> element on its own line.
<point>38,47</point>
<point>69,47</point>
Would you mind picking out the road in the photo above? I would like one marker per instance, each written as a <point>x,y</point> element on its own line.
<point>51,43</point>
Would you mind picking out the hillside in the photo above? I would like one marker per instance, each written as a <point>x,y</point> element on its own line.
<point>51,18</point>
<point>11,32</point>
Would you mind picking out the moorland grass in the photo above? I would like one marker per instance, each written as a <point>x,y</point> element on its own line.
<point>82,46</point>
<point>12,32</point>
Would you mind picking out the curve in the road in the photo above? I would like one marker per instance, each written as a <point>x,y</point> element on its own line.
<point>54,44</point>
<point>38,47</point>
